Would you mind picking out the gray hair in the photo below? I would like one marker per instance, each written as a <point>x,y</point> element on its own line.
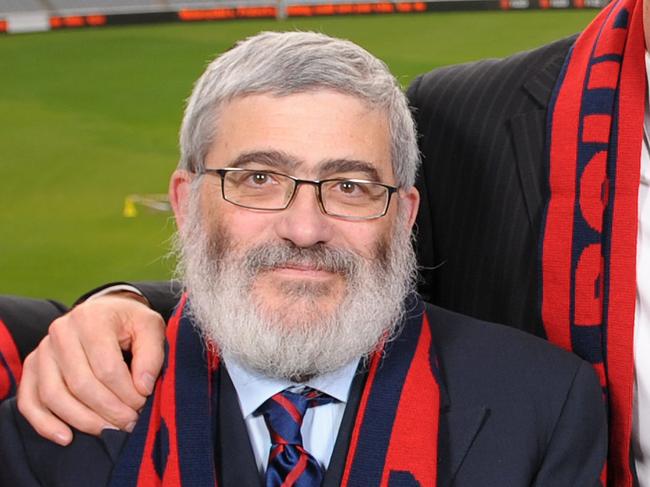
<point>285,63</point>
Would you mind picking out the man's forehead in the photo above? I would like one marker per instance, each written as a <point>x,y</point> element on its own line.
<point>320,132</point>
<point>346,101</point>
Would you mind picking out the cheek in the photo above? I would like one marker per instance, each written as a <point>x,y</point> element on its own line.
<point>243,226</point>
<point>366,238</point>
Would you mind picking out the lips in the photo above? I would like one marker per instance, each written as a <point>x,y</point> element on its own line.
<point>302,271</point>
<point>303,267</point>
<point>316,259</point>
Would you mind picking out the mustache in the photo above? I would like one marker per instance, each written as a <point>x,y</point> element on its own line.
<point>320,257</point>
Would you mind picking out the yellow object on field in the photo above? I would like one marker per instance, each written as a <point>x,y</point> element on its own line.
<point>152,202</point>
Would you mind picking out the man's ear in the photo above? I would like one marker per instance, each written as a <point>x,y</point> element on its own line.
<point>179,194</point>
<point>410,200</point>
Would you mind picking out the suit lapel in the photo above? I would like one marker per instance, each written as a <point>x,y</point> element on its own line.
<point>459,425</point>
<point>458,430</point>
<point>334,472</point>
<point>528,132</point>
<point>113,441</point>
<point>235,459</point>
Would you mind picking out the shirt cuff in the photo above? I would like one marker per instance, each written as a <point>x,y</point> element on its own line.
<point>115,289</point>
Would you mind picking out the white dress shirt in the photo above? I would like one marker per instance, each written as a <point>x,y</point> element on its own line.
<point>320,425</point>
<point>641,405</point>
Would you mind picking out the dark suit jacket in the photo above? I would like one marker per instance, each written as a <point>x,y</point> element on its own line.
<point>515,411</point>
<point>483,183</point>
<point>23,322</point>
<point>27,319</point>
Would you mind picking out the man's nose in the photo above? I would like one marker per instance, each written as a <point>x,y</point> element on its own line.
<point>303,222</point>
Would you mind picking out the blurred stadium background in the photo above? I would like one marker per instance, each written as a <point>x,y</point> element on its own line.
<point>89,117</point>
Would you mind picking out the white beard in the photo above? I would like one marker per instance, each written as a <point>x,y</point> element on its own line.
<point>284,343</point>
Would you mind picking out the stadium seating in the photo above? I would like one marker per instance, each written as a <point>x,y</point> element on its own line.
<point>11,6</point>
<point>92,7</point>
<point>106,6</point>
<point>85,7</point>
<point>177,4</point>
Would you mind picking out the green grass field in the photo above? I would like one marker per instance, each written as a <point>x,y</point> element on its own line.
<point>91,116</point>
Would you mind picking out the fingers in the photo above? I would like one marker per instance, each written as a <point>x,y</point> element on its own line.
<point>77,375</point>
<point>88,385</point>
<point>148,351</point>
<point>50,421</point>
<point>62,398</point>
<point>94,369</point>
<point>43,421</point>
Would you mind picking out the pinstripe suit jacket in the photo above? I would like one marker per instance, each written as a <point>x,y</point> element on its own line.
<point>483,183</point>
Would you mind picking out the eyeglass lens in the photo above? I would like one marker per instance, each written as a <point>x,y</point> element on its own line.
<point>271,191</point>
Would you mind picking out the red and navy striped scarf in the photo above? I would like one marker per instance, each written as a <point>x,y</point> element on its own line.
<point>394,437</point>
<point>595,128</point>
<point>10,364</point>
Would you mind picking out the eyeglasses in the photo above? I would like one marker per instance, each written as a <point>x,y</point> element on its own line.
<point>352,199</point>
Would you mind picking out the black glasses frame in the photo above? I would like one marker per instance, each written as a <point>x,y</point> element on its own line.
<point>296,183</point>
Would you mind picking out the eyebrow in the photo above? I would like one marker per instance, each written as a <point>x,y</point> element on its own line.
<point>274,159</point>
<point>282,161</point>
<point>333,166</point>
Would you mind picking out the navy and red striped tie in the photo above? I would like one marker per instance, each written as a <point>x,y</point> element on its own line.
<point>290,465</point>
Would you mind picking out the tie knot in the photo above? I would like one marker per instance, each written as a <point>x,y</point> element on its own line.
<point>285,411</point>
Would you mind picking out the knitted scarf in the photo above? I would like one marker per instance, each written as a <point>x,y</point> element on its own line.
<point>588,258</point>
<point>10,364</point>
<point>173,442</point>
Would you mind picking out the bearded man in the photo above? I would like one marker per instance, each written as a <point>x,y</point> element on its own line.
<point>300,354</point>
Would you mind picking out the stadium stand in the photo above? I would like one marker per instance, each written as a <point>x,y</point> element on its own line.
<point>65,7</point>
<point>18,16</point>
<point>15,6</point>
<point>85,7</point>
<point>178,4</point>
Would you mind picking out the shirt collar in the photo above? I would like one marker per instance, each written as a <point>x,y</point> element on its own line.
<point>253,388</point>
